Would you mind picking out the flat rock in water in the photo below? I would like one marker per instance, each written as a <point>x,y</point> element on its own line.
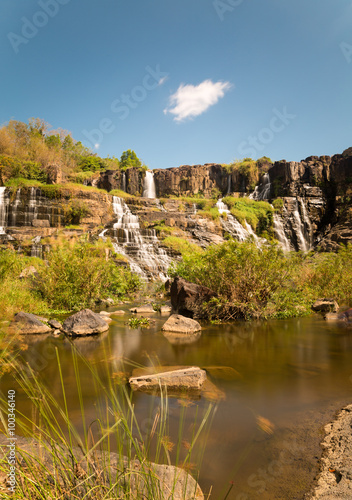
<point>180,324</point>
<point>148,308</point>
<point>55,324</point>
<point>85,322</point>
<point>27,324</point>
<point>190,378</point>
<point>119,312</point>
<point>165,309</point>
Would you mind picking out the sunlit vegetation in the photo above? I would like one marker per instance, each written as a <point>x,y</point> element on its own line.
<point>30,151</point>
<point>252,282</point>
<point>74,275</point>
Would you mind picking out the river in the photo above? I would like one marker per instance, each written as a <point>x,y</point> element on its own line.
<point>282,381</point>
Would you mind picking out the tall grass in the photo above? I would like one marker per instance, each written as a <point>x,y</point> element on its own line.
<point>73,464</point>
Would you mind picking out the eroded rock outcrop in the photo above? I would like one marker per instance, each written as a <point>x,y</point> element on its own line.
<point>187,298</point>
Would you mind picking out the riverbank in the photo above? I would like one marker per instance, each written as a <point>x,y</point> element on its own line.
<point>335,476</point>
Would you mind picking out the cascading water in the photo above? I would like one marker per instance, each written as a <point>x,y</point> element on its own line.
<point>279,231</point>
<point>37,248</point>
<point>262,191</point>
<point>14,208</point>
<point>302,228</point>
<point>229,184</point>
<point>124,181</point>
<point>141,246</point>
<point>32,209</point>
<point>149,190</point>
<point>232,225</point>
<point>308,236</point>
<point>3,210</point>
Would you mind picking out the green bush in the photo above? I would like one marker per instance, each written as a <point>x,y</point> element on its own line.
<point>259,214</point>
<point>246,280</point>
<point>79,273</point>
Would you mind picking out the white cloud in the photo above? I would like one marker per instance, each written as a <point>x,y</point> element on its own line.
<point>163,80</point>
<point>192,100</point>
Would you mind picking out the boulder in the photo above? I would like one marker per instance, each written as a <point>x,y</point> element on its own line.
<point>145,480</point>
<point>165,309</point>
<point>180,324</point>
<point>55,324</point>
<point>181,379</point>
<point>187,298</point>
<point>325,305</point>
<point>85,322</point>
<point>40,223</point>
<point>26,323</point>
<point>146,309</point>
<point>119,312</point>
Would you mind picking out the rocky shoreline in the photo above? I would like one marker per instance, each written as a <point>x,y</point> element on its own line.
<point>335,476</point>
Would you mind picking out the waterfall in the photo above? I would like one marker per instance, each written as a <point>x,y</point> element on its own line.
<point>124,182</point>
<point>31,211</point>
<point>262,191</point>
<point>194,208</point>
<point>14,208</point>
<point>3,210</point>
<point>279,231</point>
<point>233,226</point>
<point>149,185</point>
<point>37,248</point>
<point>307,226</point>
<point>229,184</point>
<point>302,228</point>
<point>140,246</point>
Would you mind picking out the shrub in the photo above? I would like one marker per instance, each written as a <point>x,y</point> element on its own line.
<point>245,279</point>
<point>79,273</point>
<point>259,214</point>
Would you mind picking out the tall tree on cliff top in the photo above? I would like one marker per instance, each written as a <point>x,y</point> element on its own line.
<point>129,159</point>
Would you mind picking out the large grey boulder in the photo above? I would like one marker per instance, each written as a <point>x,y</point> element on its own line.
<point>26,323</point>
<point>179,379</point>
<point>85,322</point>
<point>188,298</point>
<point>146,309</point>
<point>181,325</point>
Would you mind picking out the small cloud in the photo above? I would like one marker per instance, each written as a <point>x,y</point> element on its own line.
<point>192,100</point>
<point>96,146</point>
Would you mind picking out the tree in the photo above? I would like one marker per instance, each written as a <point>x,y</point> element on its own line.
<point>129,159</point>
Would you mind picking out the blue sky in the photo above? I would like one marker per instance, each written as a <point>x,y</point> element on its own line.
<point>186,81</point>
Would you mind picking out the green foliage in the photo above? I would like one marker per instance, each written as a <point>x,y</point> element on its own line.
<point>74,211</point>
<point>12,167</point>
<point>278,204</point>
<point>141,322</point>
<point>330,275</point>
<point>245,279</point>
<point>181,245</point>
<point>259,214</point>
<point>91,164</point>
<point>129,159</point>
<point>212,214</point>
<point>79,273</point>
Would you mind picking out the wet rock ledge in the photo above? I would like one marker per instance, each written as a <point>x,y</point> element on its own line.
<point>335,477</point>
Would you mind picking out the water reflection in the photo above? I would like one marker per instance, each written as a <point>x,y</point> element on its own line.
<point>292,373</point>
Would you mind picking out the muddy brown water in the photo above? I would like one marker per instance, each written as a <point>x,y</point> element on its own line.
<point>282,380</point>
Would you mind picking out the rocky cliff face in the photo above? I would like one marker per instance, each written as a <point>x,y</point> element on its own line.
<point>315,193</point>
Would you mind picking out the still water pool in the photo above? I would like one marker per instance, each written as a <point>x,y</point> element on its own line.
<point>288,377</point>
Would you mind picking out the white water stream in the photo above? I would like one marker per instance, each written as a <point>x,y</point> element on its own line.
<point>149,190</point>
<point>140,246</point>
